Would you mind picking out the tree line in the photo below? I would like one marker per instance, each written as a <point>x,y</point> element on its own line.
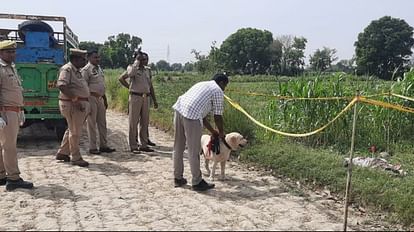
<point>383,49</point>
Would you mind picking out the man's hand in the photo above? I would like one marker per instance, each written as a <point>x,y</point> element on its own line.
<point>215,133</point>
<point>137,61</point>
<point>2,123</point>
<point>222,135</point>
<point>22,118</point>
<point>105,102</point>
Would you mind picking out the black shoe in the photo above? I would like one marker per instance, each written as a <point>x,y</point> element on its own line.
<point>94,151</point>
<point>179,182</point>
<point>150,143</point>
<point>107,149</point>
<point>146,149</point>
<point>20,183</point>
<point>3,181</point>
<point>80,163</point>
<point>202,186</point>
<point>135,151</point>
<point>63,157</point>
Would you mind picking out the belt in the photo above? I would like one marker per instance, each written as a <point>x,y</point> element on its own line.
<point>95,95</point>
<point>79,99</point>
<point>140,94</point>
<point>11,108</point>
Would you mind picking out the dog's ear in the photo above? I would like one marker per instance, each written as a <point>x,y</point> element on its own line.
<point>233,140</point>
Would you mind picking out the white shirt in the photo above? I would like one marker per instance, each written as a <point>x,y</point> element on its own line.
<point>200,99</point>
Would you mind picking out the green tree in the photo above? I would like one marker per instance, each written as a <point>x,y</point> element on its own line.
<point>176,67</point>
<point>120,49</point>
<point>90,45</point>
<point>102,50</point>
<point>244,46</point>
<point>276,52</point>
<point>163,65</point>
<point>153,68</point>
<point>346,66</point>
<point>384,47</point>
<point>322,60</point>
<point>203,63</point>
<point>188,67</point>
<point>106,58</point>
<point>293,54</point>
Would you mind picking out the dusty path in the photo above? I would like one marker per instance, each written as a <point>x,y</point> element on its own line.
<point>123,191</point>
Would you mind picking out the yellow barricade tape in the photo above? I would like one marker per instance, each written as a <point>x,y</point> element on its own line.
<point>403,97</point>
<point>378,94</point>
<point>354,100</point>
<point>239,108</point>
<point>306,98</point>
<point>387,105</point>
<point>289,97</point>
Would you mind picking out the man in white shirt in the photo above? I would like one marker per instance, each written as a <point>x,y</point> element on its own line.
<point>191,110</point>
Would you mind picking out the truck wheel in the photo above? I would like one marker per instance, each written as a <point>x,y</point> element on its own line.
<point>33,25</point>
<point>60,131</point>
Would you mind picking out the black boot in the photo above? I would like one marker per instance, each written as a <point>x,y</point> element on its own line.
<point>107,149</point>
<point>19,183</point>
<point>3,181</point>
<point>150,143</point>
<point>179,182</point>
<point>202,186</point>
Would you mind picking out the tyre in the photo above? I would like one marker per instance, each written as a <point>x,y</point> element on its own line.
<point>33,25</point>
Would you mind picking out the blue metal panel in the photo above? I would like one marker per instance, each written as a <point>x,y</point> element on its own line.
<point>39,55</point>
<point>36,39</point>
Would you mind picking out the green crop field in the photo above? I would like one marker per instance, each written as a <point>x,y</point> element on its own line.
<point>318,159</point>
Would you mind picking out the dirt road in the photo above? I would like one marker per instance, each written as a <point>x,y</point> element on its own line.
<point>124,191</point>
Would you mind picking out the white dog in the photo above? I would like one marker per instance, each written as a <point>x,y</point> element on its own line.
<point>233,142</point>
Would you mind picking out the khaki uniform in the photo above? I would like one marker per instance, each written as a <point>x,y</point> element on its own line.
<point>139,89</point>
<point>11,101</point>
<point>75,113</point>
<point>95,78</point>
<point>150,101</point>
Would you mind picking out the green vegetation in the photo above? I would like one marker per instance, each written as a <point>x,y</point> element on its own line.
<point>316,160</point>
<point>384,47</point>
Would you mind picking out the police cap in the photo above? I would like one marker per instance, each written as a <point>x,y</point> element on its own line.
<point>77,52</point>
<point>7,45</point>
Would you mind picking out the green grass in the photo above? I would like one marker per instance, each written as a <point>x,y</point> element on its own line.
<point>316,160</point>
<point>370,188</point>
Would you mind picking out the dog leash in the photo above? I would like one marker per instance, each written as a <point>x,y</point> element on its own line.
<point>227,145</point>
<point>214,145</point>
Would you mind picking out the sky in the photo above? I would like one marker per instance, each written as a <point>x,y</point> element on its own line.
<point>170,29</point>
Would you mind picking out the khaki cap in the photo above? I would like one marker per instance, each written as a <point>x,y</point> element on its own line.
<point>7,44</point>
<point>77,52</point>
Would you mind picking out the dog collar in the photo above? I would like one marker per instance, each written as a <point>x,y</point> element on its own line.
<point>227,145</point>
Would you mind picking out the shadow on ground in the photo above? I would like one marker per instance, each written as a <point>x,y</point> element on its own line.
<point>54,192</point>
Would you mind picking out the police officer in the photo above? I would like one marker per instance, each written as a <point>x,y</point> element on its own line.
<point>73,105</point>
<point>140,89</point>
<point>145,63</point>
<point>93,75</point>
<point>11,103</point>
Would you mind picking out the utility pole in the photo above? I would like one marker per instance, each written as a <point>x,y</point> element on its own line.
<point>168,53</point>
